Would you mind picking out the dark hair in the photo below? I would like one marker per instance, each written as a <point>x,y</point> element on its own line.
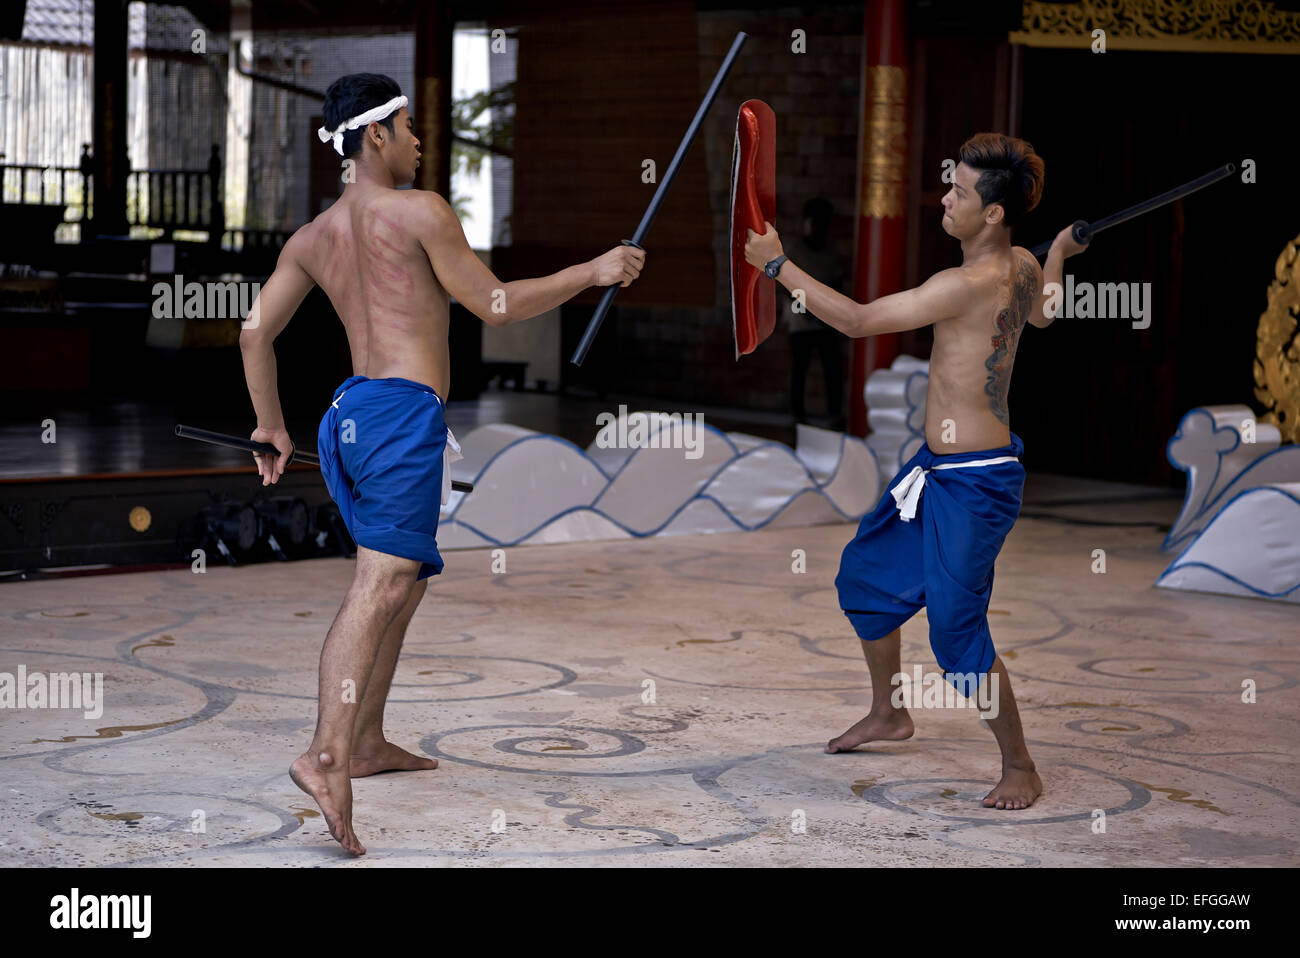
<point>1011,173</point>
<point>352,95</point>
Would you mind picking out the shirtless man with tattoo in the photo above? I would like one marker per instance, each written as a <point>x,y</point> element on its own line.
<point>932,540</point>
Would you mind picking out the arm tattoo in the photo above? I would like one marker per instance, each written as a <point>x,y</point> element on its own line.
<point>1008,322</point>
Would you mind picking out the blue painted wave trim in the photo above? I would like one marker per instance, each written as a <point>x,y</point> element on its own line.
<point>740,525</point>
<point>1172,541</point>
<point>1174,566</point>
<point>1230,577</point>
<point>736,457</point>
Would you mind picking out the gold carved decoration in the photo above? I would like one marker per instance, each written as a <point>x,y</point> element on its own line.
<point>884,184</point>
<point>1277,347</point>
<point>1203,26</point>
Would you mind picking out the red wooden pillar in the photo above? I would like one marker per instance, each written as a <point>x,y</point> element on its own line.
<point>880,254</point>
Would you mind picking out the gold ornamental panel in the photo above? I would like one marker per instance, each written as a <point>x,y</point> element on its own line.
<point>1201,26</point>
<point>1277,347</point>
<point>884,185</point>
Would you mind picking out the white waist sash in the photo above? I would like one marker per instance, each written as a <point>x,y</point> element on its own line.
<point>450,453</point>
<point>908,491</point>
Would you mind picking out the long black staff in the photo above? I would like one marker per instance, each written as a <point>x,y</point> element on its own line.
<point>1083,231</point>
<point>297,455</point>
<point>607,300</point>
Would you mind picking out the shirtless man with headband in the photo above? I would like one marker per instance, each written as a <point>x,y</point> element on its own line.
<point>932,539</point>
<point>390,260</point>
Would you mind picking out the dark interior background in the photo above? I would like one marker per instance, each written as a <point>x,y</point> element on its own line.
<point>1097,397</point>
<point>602,86</point>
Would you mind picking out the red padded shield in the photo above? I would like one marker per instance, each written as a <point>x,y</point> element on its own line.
<point>753,201</point>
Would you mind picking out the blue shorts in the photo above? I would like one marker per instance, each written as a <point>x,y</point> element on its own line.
<point>381,447</point>
<point>941,560</point>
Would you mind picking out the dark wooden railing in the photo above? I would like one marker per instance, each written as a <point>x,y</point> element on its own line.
<point>65,186</point>
<point>242,238</point>
<point>178,199</point>
<point>170,200</point>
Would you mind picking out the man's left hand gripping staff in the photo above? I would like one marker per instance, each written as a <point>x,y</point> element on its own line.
<point>269,467</point>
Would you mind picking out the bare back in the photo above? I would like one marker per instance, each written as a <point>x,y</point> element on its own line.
<point>970,364</point>
<point>365,253</point>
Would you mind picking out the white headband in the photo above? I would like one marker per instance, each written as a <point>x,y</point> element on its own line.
<point>370,116</point>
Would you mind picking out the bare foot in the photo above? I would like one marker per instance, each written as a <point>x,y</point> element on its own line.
<point>1018,789</point>
<point>893,726</point>
<point>330,789</point>
<point>386,758</point>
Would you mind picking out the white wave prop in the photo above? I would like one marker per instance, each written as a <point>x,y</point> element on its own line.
<point>1251,547</point>
<point>1224,452</point>
<point>896,412</point>
<point>530,487</point>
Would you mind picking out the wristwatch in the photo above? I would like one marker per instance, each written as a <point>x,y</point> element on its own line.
<point>774,267</point>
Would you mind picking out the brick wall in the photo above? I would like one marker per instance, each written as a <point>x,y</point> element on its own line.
<point>686,353</point>
<point>584,123</point>
<point>599,90</point>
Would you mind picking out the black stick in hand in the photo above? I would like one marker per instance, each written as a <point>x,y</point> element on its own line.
<point>1083,231</point>
<point>638,237</point>
<point>297,455</point>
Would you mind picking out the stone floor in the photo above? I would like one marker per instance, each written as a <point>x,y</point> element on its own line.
<point>657,702</point>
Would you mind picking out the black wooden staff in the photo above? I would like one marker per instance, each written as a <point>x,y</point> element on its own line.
<point>607,299</point>
<point>296,455</point>
<point>1083,231</point>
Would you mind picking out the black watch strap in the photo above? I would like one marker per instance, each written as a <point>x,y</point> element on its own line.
<point>774,267</point>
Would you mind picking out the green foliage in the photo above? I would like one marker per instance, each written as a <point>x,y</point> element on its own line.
<point>486,118</point>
